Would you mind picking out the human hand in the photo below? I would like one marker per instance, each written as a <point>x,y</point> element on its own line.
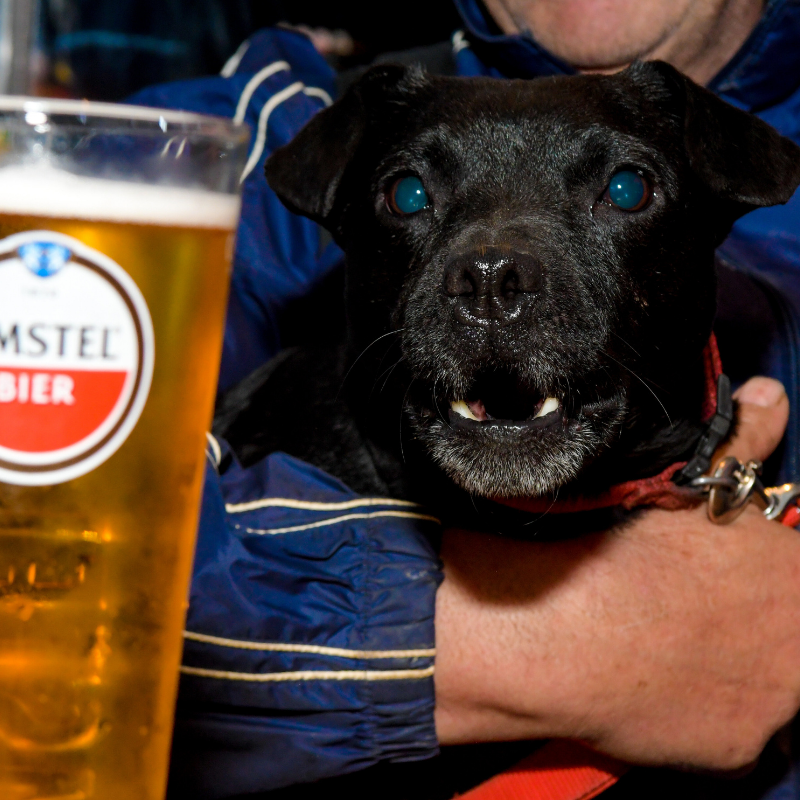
<point>327,42</point>
<point>669,641</point>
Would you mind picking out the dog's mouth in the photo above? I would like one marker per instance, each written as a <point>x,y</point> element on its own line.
<point>477,410</point>
<point>500,399</point>
<point>504,436</point>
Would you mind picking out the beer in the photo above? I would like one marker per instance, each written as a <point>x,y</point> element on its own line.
<point>96,544</point>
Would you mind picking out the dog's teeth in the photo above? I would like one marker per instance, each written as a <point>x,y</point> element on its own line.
<point>460,407</point>
<point>550,404</point>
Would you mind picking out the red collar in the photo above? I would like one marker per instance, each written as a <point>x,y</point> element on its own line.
<point>657,491</point>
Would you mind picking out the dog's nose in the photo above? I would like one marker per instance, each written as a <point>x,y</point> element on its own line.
<point>491,284</point>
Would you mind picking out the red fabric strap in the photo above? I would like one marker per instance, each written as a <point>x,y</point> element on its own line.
<point>791,517</point>
<point>559,770</point>
<point>656,491</point>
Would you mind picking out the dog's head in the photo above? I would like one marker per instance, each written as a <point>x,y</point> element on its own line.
<point>543,248</point>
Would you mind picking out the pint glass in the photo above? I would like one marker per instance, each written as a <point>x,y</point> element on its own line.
<point>116,235</point>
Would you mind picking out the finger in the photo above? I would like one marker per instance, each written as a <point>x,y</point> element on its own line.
<point>761,422</point>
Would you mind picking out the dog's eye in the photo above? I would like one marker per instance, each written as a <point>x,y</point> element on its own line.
<point>408,196</point>
<point>629,191</point>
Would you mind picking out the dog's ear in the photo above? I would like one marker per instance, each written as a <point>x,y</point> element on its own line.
<point>305,173</point>
<point>737,155</point>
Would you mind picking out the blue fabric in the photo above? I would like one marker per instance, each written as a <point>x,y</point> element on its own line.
<point>780,280</point>
<point>260,598</point>
<point>279,256</point>
<point>788,788</point>
<point>309,637</point>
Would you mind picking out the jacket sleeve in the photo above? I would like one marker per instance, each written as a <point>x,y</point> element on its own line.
<point>275,83</point>
<point>309,643</point>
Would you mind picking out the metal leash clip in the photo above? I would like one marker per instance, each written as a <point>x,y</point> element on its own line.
<point>733,485</point>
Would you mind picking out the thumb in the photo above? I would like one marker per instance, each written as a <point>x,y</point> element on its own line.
<point>761,420</point>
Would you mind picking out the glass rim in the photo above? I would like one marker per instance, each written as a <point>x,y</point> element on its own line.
<point>122,111</point>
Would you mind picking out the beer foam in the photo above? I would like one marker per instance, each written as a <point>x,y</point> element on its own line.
<point>48,192</point>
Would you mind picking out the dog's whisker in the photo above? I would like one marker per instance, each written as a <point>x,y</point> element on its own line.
<point>386,353</point>
<point>444,419</point>
<point>390,370</point>
<point>627,343</point>
<point>544,513</point>
<point>402,408</point>
<point>644,383</point>
<point>371,344</point>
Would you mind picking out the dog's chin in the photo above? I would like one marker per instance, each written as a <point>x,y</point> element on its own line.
<point>527,458</point>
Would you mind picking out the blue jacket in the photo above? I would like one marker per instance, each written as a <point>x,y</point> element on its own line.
<point>309,640</point>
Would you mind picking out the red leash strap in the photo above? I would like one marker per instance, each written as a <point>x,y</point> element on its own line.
<point>791,517</point>
<point>560,770</point>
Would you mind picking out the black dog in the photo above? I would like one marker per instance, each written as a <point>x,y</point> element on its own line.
<point>530,280</point>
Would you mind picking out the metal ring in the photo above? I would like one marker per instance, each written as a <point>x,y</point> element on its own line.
<point>724,503</point>
<point>709,481</point>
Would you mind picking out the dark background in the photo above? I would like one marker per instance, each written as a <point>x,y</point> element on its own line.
<point>379,26</point>
<point>107,49</point>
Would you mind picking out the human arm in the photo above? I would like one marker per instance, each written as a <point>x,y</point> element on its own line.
<point>669,640</point>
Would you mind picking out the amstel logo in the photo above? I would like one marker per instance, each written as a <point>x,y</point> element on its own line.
<point>76,358</point>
